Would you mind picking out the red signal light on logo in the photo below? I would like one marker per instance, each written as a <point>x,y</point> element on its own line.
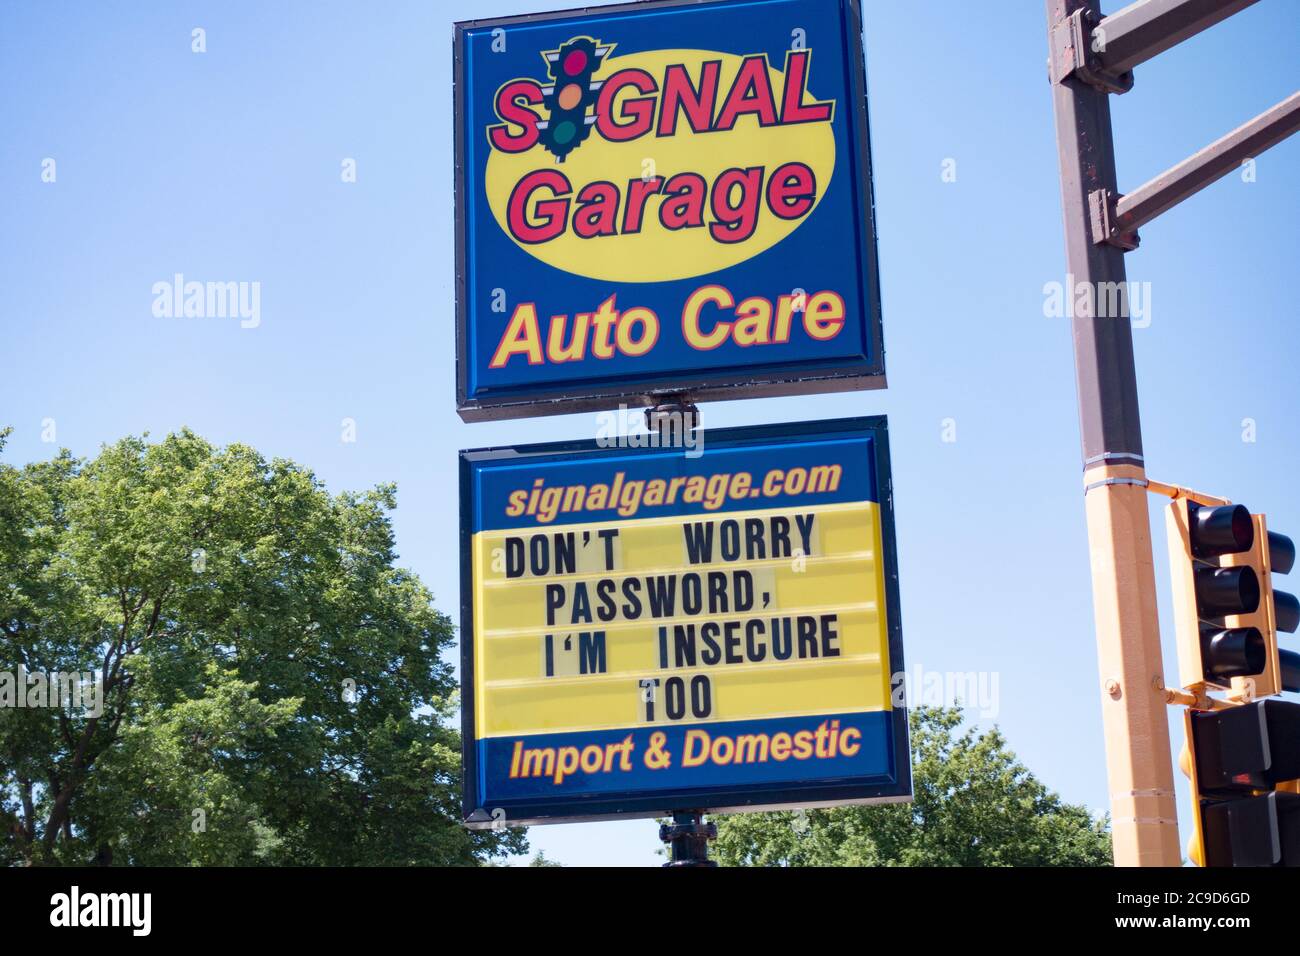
<point>575,61</point>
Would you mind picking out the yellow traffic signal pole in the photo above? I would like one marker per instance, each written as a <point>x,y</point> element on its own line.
<point>1092,57</point>
<point>1144,823</point>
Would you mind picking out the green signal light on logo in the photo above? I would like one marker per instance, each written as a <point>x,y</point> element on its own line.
<point>564,132</point>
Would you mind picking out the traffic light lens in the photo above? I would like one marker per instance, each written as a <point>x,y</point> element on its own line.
<point>1288,663</point>
<point>570,96</point>
<point>1223,530</point>
<point>1237,652</point>
<point>575,61</point>
<point>1222,591</point>
<point>564,131</point>
<point>1286,611</point>
<point>1281,553</point>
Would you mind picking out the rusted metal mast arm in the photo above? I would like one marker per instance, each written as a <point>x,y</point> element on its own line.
<point>1137,208</point>
<point>1147,28</point>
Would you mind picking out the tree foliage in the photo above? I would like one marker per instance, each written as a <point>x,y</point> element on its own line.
<point>274,689</point>
<point>974,804</point>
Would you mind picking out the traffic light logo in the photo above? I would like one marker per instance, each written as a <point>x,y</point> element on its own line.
<point>571,94</point>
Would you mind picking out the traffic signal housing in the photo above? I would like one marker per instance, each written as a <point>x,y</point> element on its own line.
<point>1244,764</point>
<point>571,93</point>
<point>1226,611</point>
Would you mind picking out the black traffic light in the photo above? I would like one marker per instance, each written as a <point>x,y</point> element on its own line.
<point>570,94</point>
<point>1227,613</point>
<point>1244,763</point>
<point>1276,611</point>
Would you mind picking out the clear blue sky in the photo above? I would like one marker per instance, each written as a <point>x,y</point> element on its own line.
<point>226,165</point>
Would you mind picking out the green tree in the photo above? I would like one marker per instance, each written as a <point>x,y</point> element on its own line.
<point>974,804</point>
<point>273,685</point>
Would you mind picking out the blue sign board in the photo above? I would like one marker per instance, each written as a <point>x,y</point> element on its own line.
<point>651,630</point>
<point>663,198</point>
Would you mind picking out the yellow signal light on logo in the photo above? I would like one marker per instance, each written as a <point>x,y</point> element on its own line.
<point>570,96</point>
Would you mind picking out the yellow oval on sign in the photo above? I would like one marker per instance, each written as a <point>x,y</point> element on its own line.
<point>674,202</point>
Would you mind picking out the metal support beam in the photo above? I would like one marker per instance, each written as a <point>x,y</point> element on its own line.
<point>1147,28</point>
<point>1120,219</point>
<point>1131,686</point>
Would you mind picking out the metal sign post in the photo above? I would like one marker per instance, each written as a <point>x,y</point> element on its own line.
<point>687,838</point>
<point>1091,58</point>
